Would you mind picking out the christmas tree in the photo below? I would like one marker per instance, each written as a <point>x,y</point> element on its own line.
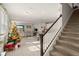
<point>13,36</point>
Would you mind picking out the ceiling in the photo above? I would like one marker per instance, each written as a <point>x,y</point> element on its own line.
<point>33,12</point>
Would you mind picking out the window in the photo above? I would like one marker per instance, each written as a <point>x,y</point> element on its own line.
<point>3,21</point>
<point>20,27</point>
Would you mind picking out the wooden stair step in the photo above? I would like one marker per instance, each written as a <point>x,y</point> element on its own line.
<point>68,44</point>
<point>67,51</point>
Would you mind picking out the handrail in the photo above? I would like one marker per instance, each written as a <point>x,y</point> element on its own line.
<point>74,6</point>
<point>51,41</point>
<point>42,35</point>
<point>52,25</point>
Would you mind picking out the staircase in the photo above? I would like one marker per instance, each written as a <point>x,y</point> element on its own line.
<point>68,43</point>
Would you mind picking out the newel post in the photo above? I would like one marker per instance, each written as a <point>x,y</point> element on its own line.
<point>41,44</point>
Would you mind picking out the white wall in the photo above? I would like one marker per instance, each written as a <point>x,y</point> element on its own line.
<point>66,12</point>
<point>70,4</point>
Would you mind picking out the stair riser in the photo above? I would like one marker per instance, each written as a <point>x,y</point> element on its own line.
<point>74,19</point>
<point>71,25</point>
<point>73,28</point>
<point>70,35</point>
<point>53,53</point>
<point>70,30</point>
<point>62,51</point>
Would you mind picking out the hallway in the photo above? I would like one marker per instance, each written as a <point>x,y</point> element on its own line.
<point>29,47</point>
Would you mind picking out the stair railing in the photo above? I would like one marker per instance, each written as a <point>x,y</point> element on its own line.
<point>42,52</point>
<point>74,6</point>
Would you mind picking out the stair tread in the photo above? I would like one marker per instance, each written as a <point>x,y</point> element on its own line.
<point>55,53</point>
<point>66,51</point>
<point>70,39</point>
<point>68,44</point>
<point>70,34</point>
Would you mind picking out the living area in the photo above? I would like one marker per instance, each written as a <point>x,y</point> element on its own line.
<point>21,25</point>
